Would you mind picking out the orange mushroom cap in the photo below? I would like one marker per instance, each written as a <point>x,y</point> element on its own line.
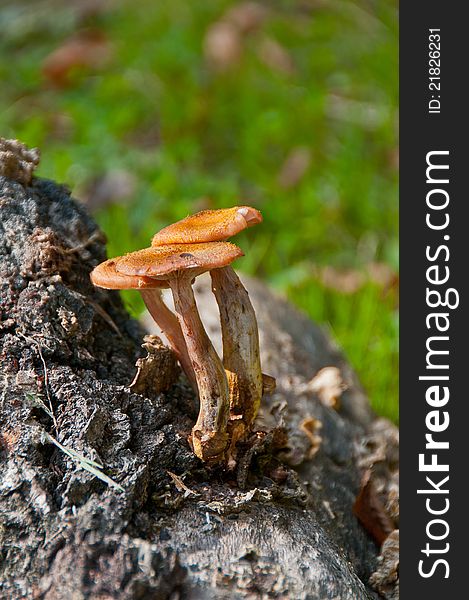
<point>162,261</point>
<point>106,276</point>
<point>208,226</point>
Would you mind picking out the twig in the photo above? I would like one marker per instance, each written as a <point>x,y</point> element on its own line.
<point>180,485</point>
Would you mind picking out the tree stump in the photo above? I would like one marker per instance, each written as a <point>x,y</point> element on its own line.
<point>101,496</point>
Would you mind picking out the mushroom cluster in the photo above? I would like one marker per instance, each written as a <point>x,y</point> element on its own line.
<point>229,390</point>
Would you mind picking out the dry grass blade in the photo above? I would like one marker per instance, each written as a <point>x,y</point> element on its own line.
<point>85,463</point>
<point>105,316</point>
<point>36,400</point>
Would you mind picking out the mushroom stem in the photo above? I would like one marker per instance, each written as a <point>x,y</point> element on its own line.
<point>241,354</point>
<point>169,325</point>
<point>209,434</point>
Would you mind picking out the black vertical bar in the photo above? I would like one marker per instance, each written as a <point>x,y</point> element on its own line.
<point>421,132</point>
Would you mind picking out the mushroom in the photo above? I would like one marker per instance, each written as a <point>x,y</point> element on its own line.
<point>106,276</point>
<point>208,226</point>
<point>241,354</point>
<point>178,265</point>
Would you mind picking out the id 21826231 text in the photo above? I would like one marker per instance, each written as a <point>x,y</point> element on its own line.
<point>434,71</point>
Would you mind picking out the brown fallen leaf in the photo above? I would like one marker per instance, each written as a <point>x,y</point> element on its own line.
<point>88,49</point>
<point>311,427</point>
<point>371,512</point>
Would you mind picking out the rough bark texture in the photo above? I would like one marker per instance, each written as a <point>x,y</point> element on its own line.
<point>282,526</point>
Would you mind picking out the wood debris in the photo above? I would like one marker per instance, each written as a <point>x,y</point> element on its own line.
<point>311,427</point>
<point>180,485</point>
<point>158,371</point>
<point>328,385</point>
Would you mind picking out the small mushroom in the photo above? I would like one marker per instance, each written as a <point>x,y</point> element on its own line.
<point>208,226</point>
<point>241,354</point>
<point>179,264</point>
<point>106,276</point>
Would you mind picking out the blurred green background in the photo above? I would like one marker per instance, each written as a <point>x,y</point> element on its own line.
<point>153,110</point>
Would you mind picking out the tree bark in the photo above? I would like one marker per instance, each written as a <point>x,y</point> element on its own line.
<point>163,525</point>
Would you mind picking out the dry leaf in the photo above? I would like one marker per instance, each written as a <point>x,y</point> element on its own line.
<point>87,50</point>
<point>371,512</point>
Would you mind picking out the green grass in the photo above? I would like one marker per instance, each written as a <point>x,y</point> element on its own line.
<point>193,137</point>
